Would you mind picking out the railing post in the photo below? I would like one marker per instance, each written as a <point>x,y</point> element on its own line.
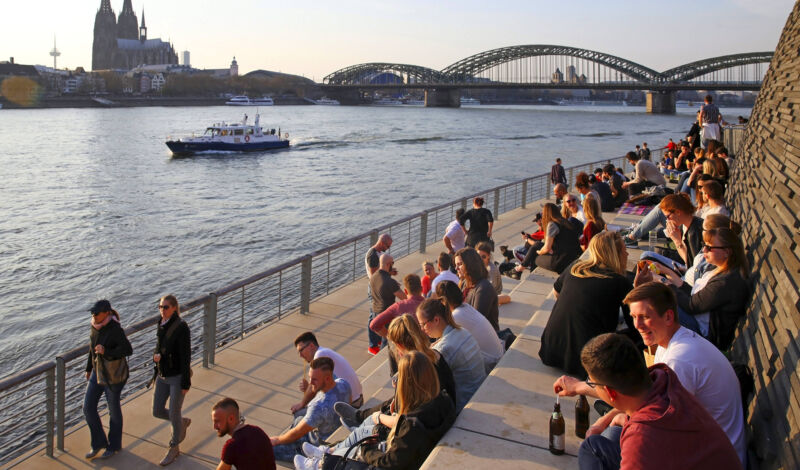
<point>570,180</point>
<point>209,330</point>
<point>61,374</point>
<point>423,231</point>
<point>305,284</point>
<point>549,189</point>
<point>524,193</point>
<point>50,391</point>
<point>496,212</point>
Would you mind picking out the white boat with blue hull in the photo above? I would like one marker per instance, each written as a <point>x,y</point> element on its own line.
<point>236,137</point>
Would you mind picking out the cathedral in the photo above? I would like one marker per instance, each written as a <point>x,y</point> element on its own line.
<point>121,43</point>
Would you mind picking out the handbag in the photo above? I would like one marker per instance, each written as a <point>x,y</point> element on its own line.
<point>338,462</point>
<point>111,371</point>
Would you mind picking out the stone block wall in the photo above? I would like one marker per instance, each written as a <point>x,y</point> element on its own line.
<point>765,196</point>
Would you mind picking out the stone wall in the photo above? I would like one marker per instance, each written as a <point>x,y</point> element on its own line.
<point>765,195</point>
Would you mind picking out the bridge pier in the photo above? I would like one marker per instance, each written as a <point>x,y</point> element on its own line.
<point>449,98</point>
<point>661,102</point>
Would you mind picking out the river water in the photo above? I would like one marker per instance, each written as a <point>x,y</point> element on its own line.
<point>93,206</point>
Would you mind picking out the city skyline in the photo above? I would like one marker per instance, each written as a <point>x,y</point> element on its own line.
<point>315,40</point>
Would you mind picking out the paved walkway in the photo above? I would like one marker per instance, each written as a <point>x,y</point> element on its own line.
<point>262,371</point>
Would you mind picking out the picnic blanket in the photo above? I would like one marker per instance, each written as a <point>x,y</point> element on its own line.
<point>633,209</point>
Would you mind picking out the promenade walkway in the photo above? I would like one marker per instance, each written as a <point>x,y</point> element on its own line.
<point>507,420</point>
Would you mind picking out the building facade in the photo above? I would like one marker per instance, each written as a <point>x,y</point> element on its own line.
<point>122,43</point>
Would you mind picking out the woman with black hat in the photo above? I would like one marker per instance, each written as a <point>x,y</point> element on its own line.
<point>107,372</point>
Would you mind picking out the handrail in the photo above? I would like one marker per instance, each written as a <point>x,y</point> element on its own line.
<point>264,296</point>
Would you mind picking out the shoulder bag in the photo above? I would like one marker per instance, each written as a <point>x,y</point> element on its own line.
<point>338,462</point>
<point>111,371</point>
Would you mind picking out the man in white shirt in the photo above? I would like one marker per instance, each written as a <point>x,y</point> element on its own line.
<point>443,263</point>
<point>309,349</point>
<point>702,369</point>
<point>454,237</point>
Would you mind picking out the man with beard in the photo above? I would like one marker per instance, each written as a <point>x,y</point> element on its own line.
<point>248,448</point>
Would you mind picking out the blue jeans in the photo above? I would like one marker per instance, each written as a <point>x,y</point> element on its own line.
<point>365,429</point>
<point>651,221</point>
<point>601,451</point>
<point>169,387</point>
<point>90,401</point>
<point>286,452</point>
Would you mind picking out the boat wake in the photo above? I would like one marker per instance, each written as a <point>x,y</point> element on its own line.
<point>525,137</point>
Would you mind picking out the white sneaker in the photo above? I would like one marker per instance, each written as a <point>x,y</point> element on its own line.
<point>304,463</point>
<point>314,452</point>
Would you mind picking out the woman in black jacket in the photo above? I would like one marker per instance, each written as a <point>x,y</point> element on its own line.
<point>560,247</point>
<point>172,357</point>
<point>107,345</point>
<point>424,413</point>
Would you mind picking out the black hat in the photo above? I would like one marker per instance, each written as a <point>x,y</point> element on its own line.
<point>101,306</point>
<point>538,217</point>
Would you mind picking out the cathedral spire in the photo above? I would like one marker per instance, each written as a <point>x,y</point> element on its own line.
<point>127,7</point>
<point>143,29</point>
<point>105,6</point>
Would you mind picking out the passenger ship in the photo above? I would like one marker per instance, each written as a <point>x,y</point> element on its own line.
<point>240,137</point>
<point>243,100</point>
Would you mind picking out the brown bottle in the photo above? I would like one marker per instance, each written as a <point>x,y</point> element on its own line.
<point>581,416</point>
<point>557,431</point>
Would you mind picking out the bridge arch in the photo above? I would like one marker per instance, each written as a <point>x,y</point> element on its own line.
<point>699,68</point>
<point>477,63</point>
<point>360,74</point>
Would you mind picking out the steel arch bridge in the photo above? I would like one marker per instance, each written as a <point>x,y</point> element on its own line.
<point>465,73</point>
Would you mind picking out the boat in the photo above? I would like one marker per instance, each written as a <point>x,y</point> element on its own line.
<point>466,101</point>
<point>387,102</point>
<point>236,137</point>
<point>327,101</point>
<point>243,100</point>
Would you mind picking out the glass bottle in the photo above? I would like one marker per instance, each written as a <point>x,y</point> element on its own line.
<point>581,416</point>
<point>557,431</point>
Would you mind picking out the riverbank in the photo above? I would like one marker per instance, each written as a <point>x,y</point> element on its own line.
<point>125,101</point>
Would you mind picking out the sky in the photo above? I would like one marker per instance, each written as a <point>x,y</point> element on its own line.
<point>316,38</point>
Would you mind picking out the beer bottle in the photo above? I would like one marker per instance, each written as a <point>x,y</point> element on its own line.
<point>581,416</point>
<point>557,431</point>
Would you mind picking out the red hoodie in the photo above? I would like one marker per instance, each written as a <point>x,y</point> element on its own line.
<point>672,430</point>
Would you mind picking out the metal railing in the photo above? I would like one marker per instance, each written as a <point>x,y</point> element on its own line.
<point>733,138</point>
<point>45,400</point>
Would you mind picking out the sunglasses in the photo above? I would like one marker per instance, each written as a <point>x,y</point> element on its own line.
<point>711,247</point>
<point>569,201</point>
<point>163,307</point>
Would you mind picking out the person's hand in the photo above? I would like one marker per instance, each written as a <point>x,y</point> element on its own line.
<point>619,420</point>
<point>565,386</point>
<point>625,184</point>
<point>673,231</point>
<point>671,277</point>
<point>99,349</point>
<point>184,391</point>
<point>376,418</point>
<point>88,374</point>
<point>643,276</point>
<point>303,385</point>
<point>296,407</point>
<point>156,357</point>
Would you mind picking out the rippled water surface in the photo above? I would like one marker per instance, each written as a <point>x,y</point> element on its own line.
<point>93,206</point>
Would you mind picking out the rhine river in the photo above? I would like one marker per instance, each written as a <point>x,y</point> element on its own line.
<point>93,206</point>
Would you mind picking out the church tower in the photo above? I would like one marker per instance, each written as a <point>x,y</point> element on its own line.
<point>127,23</point>
<point>105,36</point>
<point>143,29</point>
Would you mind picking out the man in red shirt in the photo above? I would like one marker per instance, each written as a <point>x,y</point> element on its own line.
<point>249,448</point>
<point>664,425</point>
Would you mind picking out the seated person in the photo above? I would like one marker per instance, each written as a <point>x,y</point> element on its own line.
<point>529,239</point>
<point>560,190</point>
<point>589,296</point>
<point>560,247</point>
<point>583,183</point>
<point>572,210</point>
<point>309,349</point>
<point>683,228</point>
<point>647,175</point>
<point>651,405</point>
<point>423,414</point>
<point>413,289</point>
<point>320,420</point>
<point>604,190</point>
<point>484,250</point>
<point>492,348</point>
<point>614,180</point>
<point>594,221</point>
<point>478,290</point>
<point>249,446</point>
<point>458,347</point>
<point>443,263</point>
<point>429,275</point>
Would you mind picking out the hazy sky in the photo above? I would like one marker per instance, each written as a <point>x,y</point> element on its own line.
<point>317,38</point>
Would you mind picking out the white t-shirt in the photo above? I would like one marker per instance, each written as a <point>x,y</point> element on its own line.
<point>708,210</point>
<point>456,235</point>
<point>483,332</point>
<point>705,373</point>
<point>342,369</point>
<point>704,318</point>
<point>445,275</point>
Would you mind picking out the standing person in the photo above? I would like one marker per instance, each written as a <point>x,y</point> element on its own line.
<point>107,343</point>
<point>454,234</point>
<point>693,136</point>
<point>480,223</point>
<point>248,448</point>
<point>647,175</point>
<point>645,151</point>
<point>172,357</point>
<point>557,174</point>
<point>309,349</point>
<point>372,264</point>
<point>478,290</point>
<point>710,118</point>
<point>384,290</point>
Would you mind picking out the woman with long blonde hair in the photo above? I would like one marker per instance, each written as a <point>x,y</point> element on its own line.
<point>424,414</point>
<point>589,297</point>
<point>594,220</point>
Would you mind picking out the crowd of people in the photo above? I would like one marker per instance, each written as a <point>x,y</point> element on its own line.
<point>442,331</point>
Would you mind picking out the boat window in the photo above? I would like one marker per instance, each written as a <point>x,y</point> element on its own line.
<point>249,131</point>
<point>238,132</point>
<point>224,132</point>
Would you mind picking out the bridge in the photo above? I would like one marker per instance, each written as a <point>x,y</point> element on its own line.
<point>553,67</point>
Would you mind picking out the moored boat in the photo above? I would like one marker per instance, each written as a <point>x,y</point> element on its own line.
<point>327,101</point>
<point>243,100</point>
<point>236,137</point>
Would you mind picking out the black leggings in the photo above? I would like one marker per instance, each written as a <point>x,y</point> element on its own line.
<point>530,257</point>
